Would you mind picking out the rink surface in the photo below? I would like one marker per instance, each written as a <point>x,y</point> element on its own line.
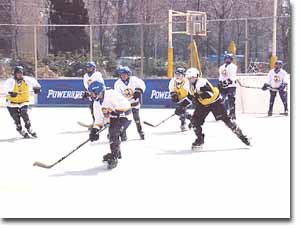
<point>157,177</point>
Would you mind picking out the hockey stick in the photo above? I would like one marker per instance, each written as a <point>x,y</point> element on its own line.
<point>251,87</point>
<point>84,124</point>
<point>156,125</point>
<point>42,165</point>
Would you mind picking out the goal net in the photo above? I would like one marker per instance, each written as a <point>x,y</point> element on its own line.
<point>255,100</point>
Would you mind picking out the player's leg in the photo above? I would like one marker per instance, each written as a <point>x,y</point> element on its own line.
<point>219,112</point>
<point>15,114</point>
<point>198,119</point>
<point>283,97</point>
<point>136,117</point>
<point>25,117</point>
<point>272,99</point>
<point>114,143</point>
<point>231,102</point>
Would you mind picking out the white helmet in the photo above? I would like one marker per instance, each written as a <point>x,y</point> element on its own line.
<point>192,73</point>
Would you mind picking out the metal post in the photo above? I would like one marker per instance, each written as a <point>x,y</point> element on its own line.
<point>246,45</point>
<point>274,57</point>
<point>274,29</point>
<point>35,51</point>
<point>191,45</point>
<point>91,43</point>
<point>170,45</point>
<point>142,50</point>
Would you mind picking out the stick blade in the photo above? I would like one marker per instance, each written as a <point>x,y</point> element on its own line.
<point>149,124</point>
<point>42,165</point>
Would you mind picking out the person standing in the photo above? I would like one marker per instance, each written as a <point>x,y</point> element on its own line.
<point>18,90</point>
<point>278,81</point>
<point>227,84</point>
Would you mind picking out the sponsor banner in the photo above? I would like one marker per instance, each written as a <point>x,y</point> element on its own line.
<point>69,92</point>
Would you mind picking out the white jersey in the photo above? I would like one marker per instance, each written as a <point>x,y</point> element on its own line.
<point>127,89</point>
<point>87,80</point>
<point>182,89</point>
<point>112,102</point>
<point>10,84</point>
<point>228,71</point>
<point>276,79</point>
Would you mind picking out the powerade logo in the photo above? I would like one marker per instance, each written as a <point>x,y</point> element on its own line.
<point>158,94</point>
<point>65,94</point>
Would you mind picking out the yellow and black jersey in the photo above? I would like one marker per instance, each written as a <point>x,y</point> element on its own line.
<point>181,89</point>
<point>22,89</point>
<point>204,92</point>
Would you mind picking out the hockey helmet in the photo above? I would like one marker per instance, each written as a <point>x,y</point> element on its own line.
<point>19,69</point>
<point>192,74</point>
<point>179,74</point>
<point>279,62</point>
<point>91,64</point>
<point>124,70</point>
<point>96,87</point>
<point>228,56</point>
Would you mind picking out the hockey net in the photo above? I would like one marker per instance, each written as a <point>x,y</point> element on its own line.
<point>255,100</point>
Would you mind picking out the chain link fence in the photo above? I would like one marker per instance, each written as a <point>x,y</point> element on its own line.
<point>54,51</point>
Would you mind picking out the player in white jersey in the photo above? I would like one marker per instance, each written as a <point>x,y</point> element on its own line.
<point>132,88</point>
<point>111,108</point>
<point>17,99</point>
<point>227,84</point>
<point>179,88</point>
<point>278,80</point>
<point>90,76</point>
<point>206,98</point>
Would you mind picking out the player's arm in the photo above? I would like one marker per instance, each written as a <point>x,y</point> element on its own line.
<point>173,94</point>
<point>98,123</point>
<point>139,88</point>
<point>9,87</point>
<point>34,84</point>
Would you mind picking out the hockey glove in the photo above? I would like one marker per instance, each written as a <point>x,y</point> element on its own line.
<point>36,90</point>
<point>282,87</point>
<point>174,97</point>
<point>94,134</point>
<point>137,93</point>
<point>85,95</point>
<point>13,94</point>
<point>266,86</point>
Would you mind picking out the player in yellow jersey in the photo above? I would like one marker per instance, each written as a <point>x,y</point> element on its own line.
<point>179,89</point>
<point>18,90</point>
<point>206,98</point>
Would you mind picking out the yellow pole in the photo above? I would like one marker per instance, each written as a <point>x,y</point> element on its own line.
<point>170,62</point>
<point>170,46</point>
<point>232,50</point>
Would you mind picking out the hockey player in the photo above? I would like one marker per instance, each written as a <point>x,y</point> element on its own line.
<point>179,89</point>
<point>278,80</point>
<point>18,90</point>
<point>109,108</point>
<point>207,99</point>
<point>227,84</point>
<point>90,76</point>
<point>132,88</point>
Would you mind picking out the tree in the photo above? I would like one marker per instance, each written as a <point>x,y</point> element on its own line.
<point>63,39</point>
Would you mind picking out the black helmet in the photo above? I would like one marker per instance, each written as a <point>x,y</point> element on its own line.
<point>19,69</point>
